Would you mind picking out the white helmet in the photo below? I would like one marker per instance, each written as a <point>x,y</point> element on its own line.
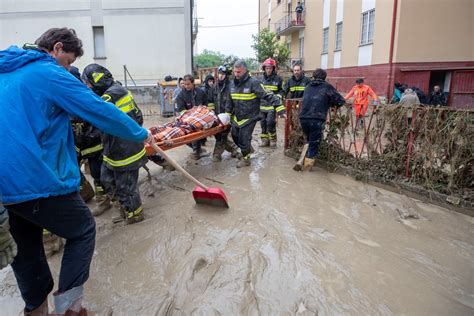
<point>224,118</point>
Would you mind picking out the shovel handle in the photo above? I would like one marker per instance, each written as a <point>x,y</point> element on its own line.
<point>177,166</point>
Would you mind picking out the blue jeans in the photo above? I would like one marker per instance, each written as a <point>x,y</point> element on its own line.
<point>313,131</point>
<point>66,216</point>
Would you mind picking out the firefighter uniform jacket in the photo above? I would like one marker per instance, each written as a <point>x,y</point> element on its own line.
<point>221,93</point>
<point>274,84</point>
<point>245,97</point>
<point>294,88</point>
<point>121,154</point>
<point>87,139</point>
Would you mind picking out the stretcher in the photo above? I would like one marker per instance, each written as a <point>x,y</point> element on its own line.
<point>187,139</point>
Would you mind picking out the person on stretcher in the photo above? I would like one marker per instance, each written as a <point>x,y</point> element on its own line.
<point>196,119</point>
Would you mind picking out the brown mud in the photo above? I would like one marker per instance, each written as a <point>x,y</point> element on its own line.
<point>311,243</point>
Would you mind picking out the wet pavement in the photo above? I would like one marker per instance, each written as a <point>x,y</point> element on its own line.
<point>291,244</point>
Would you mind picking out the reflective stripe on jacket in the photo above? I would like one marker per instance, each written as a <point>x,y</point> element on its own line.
<point>119,153</point>
<point>245,97</point>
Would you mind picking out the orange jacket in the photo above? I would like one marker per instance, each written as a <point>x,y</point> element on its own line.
<point>361,95</point>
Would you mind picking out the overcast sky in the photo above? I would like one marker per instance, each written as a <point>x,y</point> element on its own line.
<point>227,40</point>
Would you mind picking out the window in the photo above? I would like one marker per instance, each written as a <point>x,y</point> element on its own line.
<point>99,41</point>
<point>301,47</point>
<point>325,40</point>
<point>367,31</point>
<point>338,36</point>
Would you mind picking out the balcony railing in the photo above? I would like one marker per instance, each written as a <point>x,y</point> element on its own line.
<point>290,23</point>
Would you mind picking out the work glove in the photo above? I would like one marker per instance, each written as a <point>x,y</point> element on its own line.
<point>8,249</point>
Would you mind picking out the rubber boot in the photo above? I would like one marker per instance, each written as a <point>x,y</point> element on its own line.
<point>308,164</point>
<point>197,154</point>
<point>244,162</point>
<point>217,154</point>
<point>104,204</point>
<point>52,244</point>
<point>232,148</point>
<point>134,217</point>
<point>265,142</point>
<point>86,190</point>
<point>41,310</point>
<point>273,143</point>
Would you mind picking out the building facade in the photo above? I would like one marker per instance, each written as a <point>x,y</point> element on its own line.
<point>418,42</point>
<point>152,38</point>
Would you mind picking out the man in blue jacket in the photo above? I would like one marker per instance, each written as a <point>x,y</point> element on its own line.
<point>39,177</point>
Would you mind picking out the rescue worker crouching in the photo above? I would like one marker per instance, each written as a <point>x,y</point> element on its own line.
<point>246,93</point>
<point>122,159</point>
<point>221,93</point>
<point>272,83</point>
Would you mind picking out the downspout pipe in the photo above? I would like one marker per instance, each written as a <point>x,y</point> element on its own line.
<point>391,79</point>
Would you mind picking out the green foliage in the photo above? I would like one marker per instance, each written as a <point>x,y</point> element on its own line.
<point>267,45</point>
<point>208,59</point>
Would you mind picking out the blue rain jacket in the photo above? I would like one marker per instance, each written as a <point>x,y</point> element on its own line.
<point>37,97</point>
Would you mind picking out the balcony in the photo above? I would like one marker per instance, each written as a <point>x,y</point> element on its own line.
<point>290,23</point>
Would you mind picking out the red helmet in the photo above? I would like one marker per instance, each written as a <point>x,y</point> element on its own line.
<point>269,62</point>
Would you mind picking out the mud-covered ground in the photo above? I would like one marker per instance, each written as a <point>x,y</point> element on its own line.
<point>290,244</point>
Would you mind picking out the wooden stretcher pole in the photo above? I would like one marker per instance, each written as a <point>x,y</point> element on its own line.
<point>177,166</point>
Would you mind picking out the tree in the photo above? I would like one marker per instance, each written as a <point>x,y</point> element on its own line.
<point>267,45</point>
<point>208,59</point>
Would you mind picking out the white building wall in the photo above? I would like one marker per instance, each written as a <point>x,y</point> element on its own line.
<point>153,38</point>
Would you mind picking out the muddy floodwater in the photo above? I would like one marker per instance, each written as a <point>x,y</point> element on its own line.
<point>291,244</point>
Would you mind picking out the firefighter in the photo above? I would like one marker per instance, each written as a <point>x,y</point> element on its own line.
<point>361,93</point>
<point>221,93</point>
<point>294,87</point>
<point>246,93</point>
<point>88,145</point>
<point>272,83</point>
<point>121,158</point>
<point>188,98</point>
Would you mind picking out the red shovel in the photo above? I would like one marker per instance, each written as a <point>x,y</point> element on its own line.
<point>202,194</point>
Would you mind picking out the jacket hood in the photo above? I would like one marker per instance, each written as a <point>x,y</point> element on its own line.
<point>99,77</point>
<point>317,82</point>
<point>206,80</point>
<point>14,58</point>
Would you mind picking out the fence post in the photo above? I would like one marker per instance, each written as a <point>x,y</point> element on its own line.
<point>287,123</point>
<point>125,75</point>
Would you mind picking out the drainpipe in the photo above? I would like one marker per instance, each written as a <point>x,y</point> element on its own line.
<point>391,80</point>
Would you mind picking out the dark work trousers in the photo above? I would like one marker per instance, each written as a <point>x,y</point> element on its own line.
<point>242,136</point>
<point>222,141</point>
<point>123,185</point>
<point>196,146</point>
<point>268,125</point>
<point>66,216</point>
<point>95,164</point>
<point>313,130</point>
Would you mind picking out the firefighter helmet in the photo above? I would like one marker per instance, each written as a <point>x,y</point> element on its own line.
<point>225,69</point>
<point>269,62</point>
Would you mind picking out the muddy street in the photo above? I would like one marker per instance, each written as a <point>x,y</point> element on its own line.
<point>291,243</point>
